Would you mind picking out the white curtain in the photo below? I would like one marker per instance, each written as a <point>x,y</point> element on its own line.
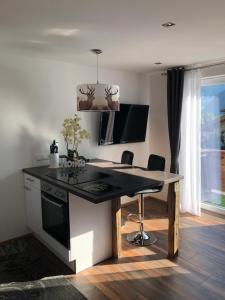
<point>190,151</point>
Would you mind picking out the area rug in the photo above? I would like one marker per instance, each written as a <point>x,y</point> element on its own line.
<point>30,271</point>
<point>27,259</point>
<point>58,288</point>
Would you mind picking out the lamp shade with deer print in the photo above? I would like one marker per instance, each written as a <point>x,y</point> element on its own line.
<point>98,97</point>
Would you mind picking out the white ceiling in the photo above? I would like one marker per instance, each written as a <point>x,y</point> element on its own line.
<point>128,31</point>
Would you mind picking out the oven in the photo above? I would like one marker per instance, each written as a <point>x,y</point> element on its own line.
<point>55,213</point>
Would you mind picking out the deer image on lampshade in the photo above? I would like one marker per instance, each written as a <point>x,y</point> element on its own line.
<point>98,96</point>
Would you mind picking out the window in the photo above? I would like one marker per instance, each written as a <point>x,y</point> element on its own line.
<point>213,141</point>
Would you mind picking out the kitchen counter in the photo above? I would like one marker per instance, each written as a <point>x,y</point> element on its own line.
<point>119,183</point>
<point>93,196</point>
<point>122,180</point>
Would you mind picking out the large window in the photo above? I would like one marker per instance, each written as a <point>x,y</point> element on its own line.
<point>213,141</point>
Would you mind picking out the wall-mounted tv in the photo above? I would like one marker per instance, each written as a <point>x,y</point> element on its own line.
<point>125,126</point>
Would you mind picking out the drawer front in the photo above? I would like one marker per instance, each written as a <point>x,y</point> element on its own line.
<point>30,181</point>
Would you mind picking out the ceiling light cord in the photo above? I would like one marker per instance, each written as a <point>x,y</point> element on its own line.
<point>97,52</point>
<point>97,69</point>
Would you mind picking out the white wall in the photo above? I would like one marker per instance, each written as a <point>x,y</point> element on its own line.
<point>213,71</point>
<point>153,89</point>
<point>35,96</point>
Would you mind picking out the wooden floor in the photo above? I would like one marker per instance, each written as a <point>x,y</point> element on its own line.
<point>146,273</point>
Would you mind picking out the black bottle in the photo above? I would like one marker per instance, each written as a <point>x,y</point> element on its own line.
<point>54,147</point>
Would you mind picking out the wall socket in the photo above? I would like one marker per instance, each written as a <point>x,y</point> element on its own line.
<point>41,159</point>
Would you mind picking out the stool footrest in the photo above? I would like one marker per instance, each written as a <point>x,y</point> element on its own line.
<point>141,238</point>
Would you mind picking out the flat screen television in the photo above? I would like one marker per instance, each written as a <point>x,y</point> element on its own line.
<point>125,126</point>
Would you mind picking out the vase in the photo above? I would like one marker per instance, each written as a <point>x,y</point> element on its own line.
<point>72,154</point>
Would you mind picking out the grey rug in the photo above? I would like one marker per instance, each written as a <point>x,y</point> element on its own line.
<point>30,271</point>
<point>27,259</point>
<point>58,288</point>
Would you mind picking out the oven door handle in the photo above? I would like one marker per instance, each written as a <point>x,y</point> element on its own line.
<point>52,202</point>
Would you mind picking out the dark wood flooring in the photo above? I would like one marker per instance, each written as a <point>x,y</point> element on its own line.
<point>146,273</point>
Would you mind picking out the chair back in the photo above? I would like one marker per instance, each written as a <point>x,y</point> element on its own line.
<point>156,163</point>
<point>127,157</point>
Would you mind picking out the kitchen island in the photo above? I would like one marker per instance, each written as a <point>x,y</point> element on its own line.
<point>95,208</point>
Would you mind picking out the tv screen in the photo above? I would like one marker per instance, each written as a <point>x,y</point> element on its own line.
<point>125,126</point>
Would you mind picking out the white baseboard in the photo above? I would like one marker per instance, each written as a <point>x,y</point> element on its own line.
<point>126,200</point>
<point>213,208</point>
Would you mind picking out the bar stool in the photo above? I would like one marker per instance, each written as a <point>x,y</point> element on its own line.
<point>127,157</point>
<point>142,238</point>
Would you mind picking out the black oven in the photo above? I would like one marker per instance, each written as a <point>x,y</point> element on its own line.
<point>55,213</point>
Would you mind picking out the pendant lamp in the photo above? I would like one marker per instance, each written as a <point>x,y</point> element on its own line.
<point>98,96</point>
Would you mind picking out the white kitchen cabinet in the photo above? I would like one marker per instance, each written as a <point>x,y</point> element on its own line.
<point>32,191</point>
<point>90,228</point>
<point>90,232</point>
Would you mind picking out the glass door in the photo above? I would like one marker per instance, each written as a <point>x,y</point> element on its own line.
<point>213,141</point>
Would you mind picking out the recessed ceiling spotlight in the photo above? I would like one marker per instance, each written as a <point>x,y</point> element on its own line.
<point>158,63</point>
<point>168,24</point>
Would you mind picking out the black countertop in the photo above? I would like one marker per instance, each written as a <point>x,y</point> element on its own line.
<point>120,184</point>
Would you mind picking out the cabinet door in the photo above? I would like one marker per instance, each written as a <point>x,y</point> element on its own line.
<point>29,206</point>
<point>33,209</point>
<point>36,210</point>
